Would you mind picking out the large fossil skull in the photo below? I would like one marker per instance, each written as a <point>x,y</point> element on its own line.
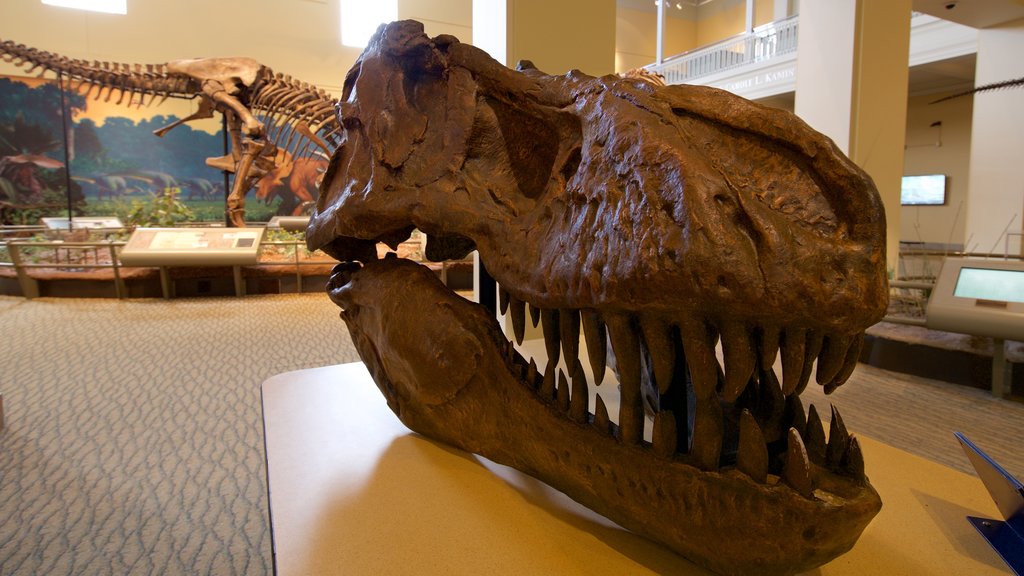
<point>663,219</point>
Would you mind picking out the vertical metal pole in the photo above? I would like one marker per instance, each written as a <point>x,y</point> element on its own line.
<point>29,285</point>
<point>227,180</point>
<point>165,283</point>
<point>660,55</point>
<point>298,270</point>
<point>998,367</point>
<point>67,152</point>
<point>118,283</point>
<point>239,281</point>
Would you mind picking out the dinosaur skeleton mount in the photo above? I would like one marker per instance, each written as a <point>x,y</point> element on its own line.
<point>662,219</point>
<point>272,119</point>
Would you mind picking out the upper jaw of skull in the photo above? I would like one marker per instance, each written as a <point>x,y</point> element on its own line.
<point>650,219</point>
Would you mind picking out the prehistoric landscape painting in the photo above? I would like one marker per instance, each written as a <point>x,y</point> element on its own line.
<point>117,163</point>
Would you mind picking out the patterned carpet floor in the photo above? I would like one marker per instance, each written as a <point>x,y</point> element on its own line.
<point>133,440</point>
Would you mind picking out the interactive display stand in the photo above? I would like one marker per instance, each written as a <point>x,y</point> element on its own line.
<point>353,491</point>
<point>165,247</point>
<point>981,298</point>
<point>1006,537</point>
<point>83,222</point>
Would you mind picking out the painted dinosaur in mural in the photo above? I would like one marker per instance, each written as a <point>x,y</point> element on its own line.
<point>665,220</point>
<point>272,119</point>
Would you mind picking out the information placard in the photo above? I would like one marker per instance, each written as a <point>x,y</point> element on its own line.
<point>193,247</point>
<point>83,222</point>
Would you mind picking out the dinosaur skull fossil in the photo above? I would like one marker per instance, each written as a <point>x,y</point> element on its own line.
<point>663,219</point>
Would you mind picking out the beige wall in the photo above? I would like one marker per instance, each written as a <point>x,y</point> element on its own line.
<point>564,35</point>
<point>439,16</point>
<point>719,20</point>
<point>941,150</point>
<point>636,37</point>
<point>297,37</point>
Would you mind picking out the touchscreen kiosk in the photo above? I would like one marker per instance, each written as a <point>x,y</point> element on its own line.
<point>979,297</point>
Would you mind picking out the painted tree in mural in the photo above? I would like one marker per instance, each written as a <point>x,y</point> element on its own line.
<point>32,179</point>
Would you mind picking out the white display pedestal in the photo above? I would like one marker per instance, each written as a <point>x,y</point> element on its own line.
<point>354,492</point>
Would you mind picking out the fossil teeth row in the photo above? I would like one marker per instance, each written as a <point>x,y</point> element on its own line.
<point>713,417</point>
<point>745,348</point>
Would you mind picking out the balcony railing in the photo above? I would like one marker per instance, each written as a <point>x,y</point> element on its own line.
<point>763,43</point>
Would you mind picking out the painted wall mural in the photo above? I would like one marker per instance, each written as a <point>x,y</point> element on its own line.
<point>116,161</point>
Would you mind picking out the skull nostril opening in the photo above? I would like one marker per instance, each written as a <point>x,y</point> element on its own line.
<point>722,283</point>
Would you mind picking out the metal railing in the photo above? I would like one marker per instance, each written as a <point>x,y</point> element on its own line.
<point>761,44</point>
<point>22,255</point>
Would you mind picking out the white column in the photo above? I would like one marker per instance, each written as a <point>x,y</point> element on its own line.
<point>824,67</point>
<point>995,198</point>
<point>851,85</point>
<point>490,25</point>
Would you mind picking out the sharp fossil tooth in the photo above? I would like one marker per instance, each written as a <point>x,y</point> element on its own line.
<point>531,374</point>
<point>502,300</point>
<point>517,310</point>
<point>797,471</point>
<point>579,402</point>
<point>838,441</point>
<point>549,323</point>
<point>510,354</point>
<point>795,417</point>
<point>596,338</point>
<point>811,351</point>
<point>658,336</point>
<point>562,395</point>
<point>547,386</point>
<point>793,342</point>
<point>814,437</point>
<point>699,348</point>
<point>707,435</point>
<point>534,315</point>
<point>627,354</point>
<point>601,420</point>
<point>833,353</point>
<point>853,462</point>
<point>569,333</point>
<point>739,360</point>
<point>767,346</point>
<point>752,457</point>
<point>852,357</point>
<point>665,437</point>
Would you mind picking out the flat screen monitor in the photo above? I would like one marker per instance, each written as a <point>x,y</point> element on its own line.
<point>926,190</point>
<point>989,284</point>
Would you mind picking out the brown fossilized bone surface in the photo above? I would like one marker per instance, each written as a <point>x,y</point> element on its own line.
<point>662,219</point>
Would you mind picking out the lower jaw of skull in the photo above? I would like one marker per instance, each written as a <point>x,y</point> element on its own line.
<point>774,505</point>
